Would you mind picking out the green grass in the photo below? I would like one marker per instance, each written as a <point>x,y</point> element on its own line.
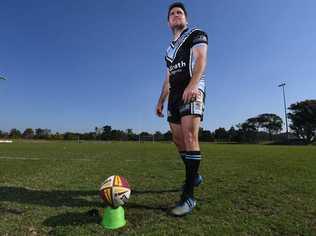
<point>49,188</point>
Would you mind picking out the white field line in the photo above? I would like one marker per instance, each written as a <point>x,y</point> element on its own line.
<point>37,159</point>
<point>6,141</point>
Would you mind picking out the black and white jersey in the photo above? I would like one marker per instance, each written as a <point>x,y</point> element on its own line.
<point>180,60</point>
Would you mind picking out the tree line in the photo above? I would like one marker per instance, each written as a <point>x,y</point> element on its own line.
<point>262,127</point>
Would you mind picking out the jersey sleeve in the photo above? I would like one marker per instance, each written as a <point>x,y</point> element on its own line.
<point>199,37</point>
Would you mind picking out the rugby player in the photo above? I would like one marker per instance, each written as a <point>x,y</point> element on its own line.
<point>184,86</point>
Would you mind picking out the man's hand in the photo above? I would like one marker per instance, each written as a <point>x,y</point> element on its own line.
<point>159,109</point>
<point>190,93</point>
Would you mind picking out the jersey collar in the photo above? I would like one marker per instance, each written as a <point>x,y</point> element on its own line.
<point>185,30</point>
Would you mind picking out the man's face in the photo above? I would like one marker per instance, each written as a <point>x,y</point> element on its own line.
<point>177,18</point>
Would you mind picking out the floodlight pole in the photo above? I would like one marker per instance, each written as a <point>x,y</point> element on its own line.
<point>285,113</point>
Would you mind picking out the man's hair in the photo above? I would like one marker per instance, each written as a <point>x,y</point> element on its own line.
<point>177,4</point>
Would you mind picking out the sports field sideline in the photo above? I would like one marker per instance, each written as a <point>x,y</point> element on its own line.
<point>52,188</point>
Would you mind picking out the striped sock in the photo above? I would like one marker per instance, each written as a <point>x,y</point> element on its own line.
<point>193,159</point>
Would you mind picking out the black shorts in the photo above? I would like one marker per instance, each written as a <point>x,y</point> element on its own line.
<point>177,109</point>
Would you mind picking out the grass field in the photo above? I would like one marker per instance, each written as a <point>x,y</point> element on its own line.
<point>51,188</point>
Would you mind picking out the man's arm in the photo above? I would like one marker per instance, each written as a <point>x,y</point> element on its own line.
<point>163,95</point>
<point>200,55</point>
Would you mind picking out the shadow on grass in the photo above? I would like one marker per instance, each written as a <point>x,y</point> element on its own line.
<point>155,191</point>
<point>59,198</point>
<point>54,198</point>
<point>146,207</point>
<point>15,211</point>
<point>93,216</point>
<point>287,143</point>
<point>72,218</point>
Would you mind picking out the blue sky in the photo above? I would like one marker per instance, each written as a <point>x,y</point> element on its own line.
<point>74,65</point>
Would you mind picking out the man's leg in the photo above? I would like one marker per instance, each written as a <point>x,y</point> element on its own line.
<point>190,128</point>
<point>178,139</point>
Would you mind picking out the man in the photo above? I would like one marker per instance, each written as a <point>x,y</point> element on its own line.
<point>185,86</point>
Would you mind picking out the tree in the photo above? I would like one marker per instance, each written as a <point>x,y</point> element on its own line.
<point>106,134</point>
<point>15,133</point>
<point>206,135</point>
<point>98,132</point>
<point>220,134</point>
<point>167,136</point>
<point>131,135</point>
<point>253,123</point>
<point>57,136</point>
<point>158,136</point>
<point>71,136</point>
<point>3,134</point>
<point>247,132</point>
<point>116,135</point>
<point>303,118</point>
<point>88,136</point>
<point>28,133</point>
<point>260,127</point>
<point>42,133</point>
<point>232,134</point>
<point>272,123</point>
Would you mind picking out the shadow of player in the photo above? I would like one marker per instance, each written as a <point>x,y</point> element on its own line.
<point>74,199</point>
<point>52,198</point>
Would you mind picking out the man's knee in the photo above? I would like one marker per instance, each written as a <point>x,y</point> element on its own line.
<point>191,139</point>
<point>190,130</point>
